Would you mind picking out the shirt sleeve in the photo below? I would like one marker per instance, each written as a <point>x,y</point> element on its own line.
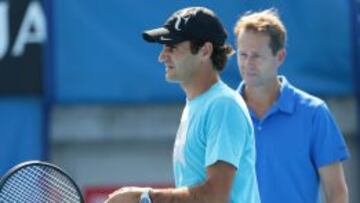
<point>328,144</point>
<point>228,131</point>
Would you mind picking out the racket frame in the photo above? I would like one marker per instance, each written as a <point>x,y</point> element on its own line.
<point>25,164</point>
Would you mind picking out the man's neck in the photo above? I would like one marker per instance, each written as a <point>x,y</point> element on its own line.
<point>200,85</point>
<point>260,99</point>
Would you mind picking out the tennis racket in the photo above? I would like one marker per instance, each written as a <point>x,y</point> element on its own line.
<point>40,182</point>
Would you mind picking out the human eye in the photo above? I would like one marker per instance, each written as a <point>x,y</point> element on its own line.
<point>242,54</point>
<point>256,56</point>
<point>171,47</point>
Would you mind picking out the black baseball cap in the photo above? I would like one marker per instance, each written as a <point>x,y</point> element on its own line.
<point>192,23</point>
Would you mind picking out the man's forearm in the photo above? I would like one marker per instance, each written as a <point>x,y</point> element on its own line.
<point>198,194</point>
<point>340,197</point>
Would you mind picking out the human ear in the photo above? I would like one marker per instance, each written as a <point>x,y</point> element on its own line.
<point>281,55</point>
<point>206,50</point>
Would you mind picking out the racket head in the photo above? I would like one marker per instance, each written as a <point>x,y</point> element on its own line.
<point>38,181</point>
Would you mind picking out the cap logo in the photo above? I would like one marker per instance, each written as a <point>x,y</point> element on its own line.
<point>178,21</point>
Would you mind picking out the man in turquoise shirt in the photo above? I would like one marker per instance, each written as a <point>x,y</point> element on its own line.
<point>214,151</point>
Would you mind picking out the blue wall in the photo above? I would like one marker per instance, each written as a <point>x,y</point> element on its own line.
<point>99,55</point>
<point>21,131</point>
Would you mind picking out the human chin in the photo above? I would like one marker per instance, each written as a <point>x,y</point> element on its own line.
<point>170,77</point>
<point>250,79</point>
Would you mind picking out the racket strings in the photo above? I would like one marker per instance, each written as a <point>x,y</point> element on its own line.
<point>39,184</point>
<point>39,190</point>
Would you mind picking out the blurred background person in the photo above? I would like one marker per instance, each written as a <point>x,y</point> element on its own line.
<point>298,142</point>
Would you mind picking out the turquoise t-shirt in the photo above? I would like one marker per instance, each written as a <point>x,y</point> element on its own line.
<point>216,126</point>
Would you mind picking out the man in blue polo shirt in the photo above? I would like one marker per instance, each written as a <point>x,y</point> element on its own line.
<point>299,147</point>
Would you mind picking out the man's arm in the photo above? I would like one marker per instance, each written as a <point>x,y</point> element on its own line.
<point>333,183</point>
<point>216,189</point>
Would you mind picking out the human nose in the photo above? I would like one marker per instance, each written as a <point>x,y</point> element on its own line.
<point>249,60</point>
<point>162,55</point>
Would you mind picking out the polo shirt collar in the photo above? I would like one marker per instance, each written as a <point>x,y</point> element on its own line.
<point>286,100</point>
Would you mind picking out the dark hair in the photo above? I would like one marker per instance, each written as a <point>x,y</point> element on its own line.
<point>218,57</point>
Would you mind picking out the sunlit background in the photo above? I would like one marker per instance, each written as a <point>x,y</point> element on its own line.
<point>80,88</point>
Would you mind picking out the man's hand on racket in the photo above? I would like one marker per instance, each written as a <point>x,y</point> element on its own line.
<point>126,195</point>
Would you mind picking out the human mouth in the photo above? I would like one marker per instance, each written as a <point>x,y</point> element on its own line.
<point>169,67</point>
<point>251,74</point>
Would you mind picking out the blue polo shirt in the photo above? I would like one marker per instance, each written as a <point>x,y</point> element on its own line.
<point>296,137</point>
